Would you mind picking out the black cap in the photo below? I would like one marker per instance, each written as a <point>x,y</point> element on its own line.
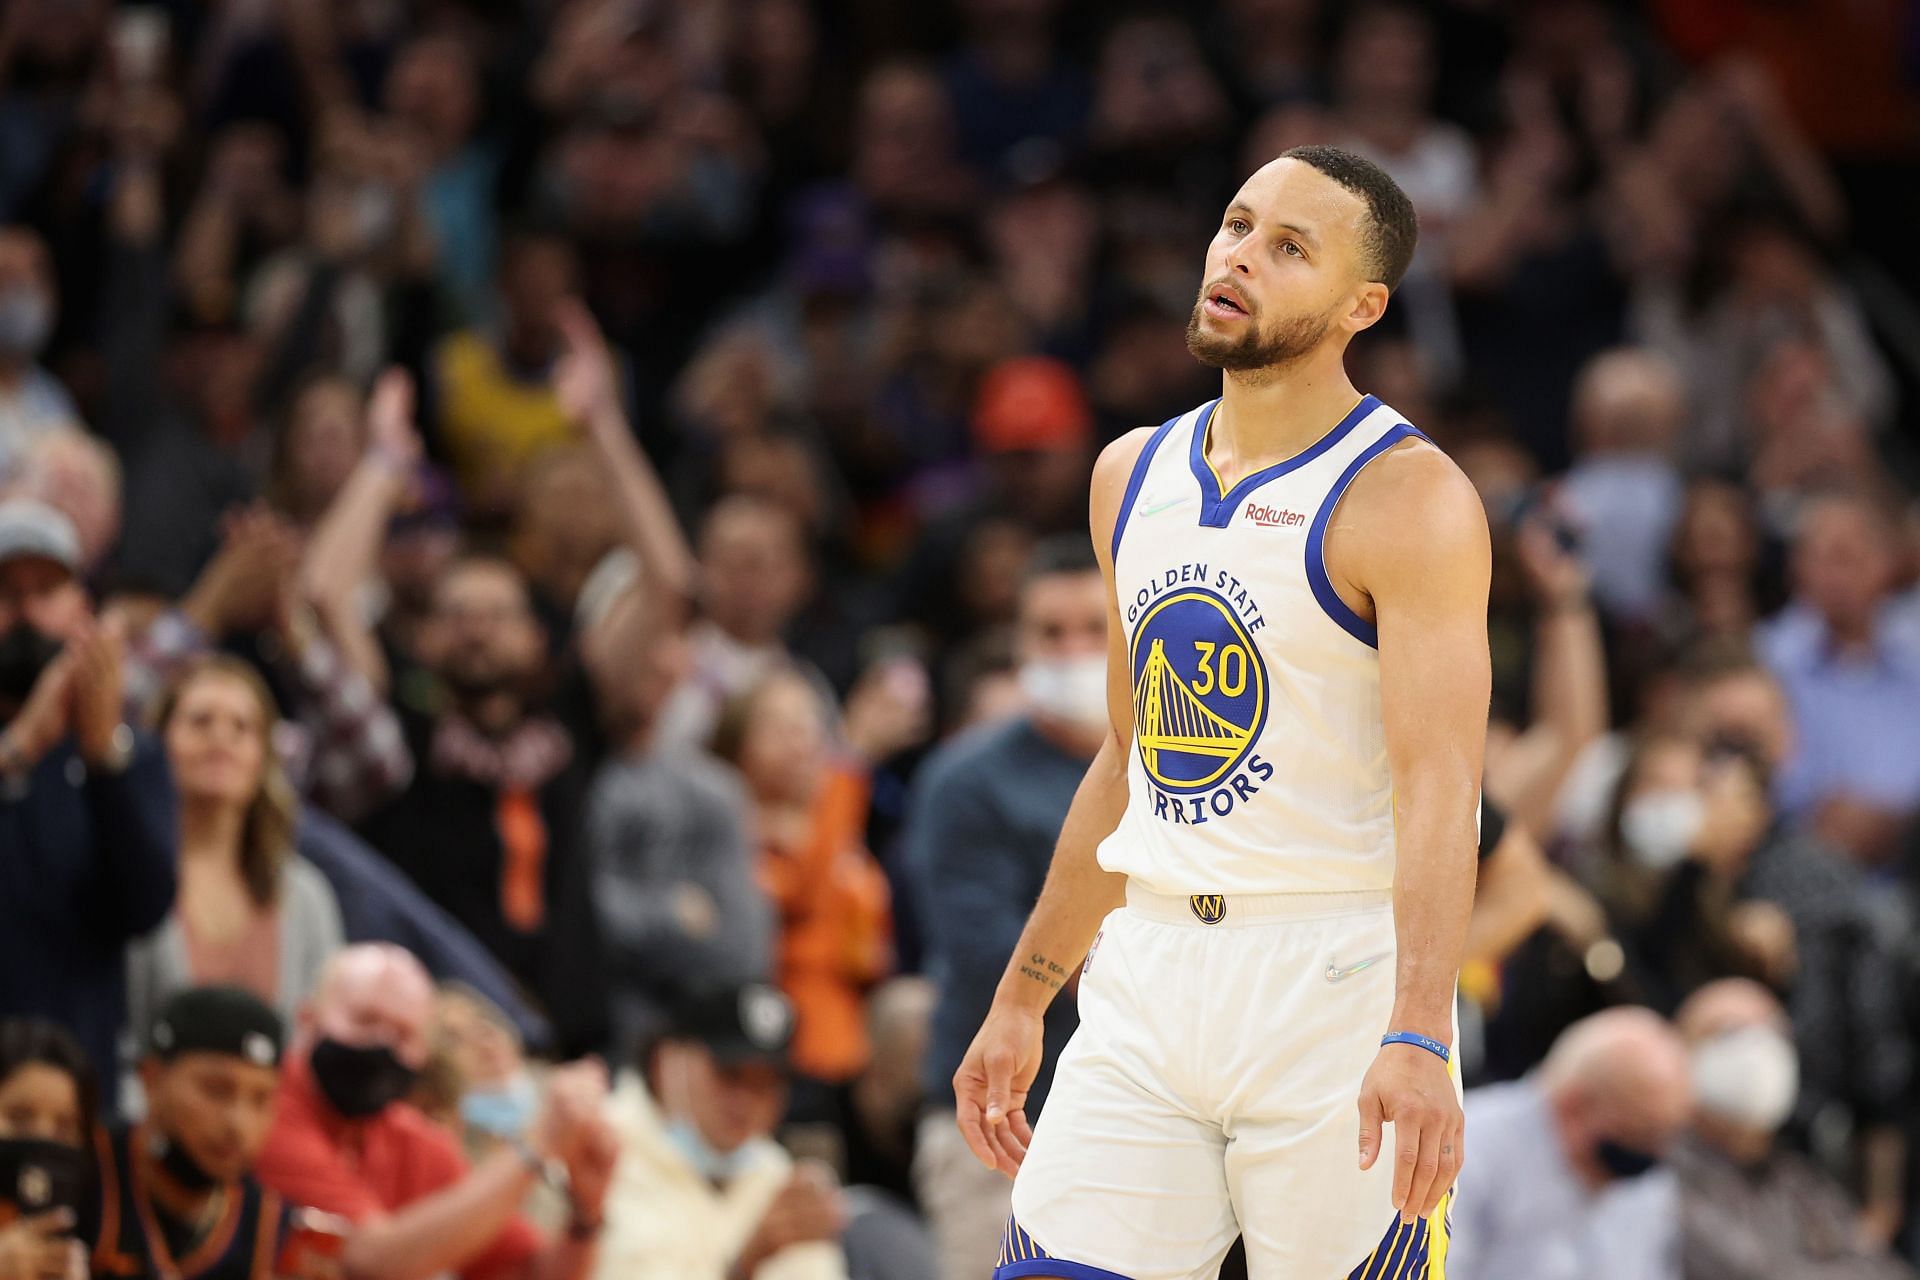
<point>751,1022</point>
<point>218,1020</point>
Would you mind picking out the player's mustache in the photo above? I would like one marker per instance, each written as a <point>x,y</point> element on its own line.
<point>1226,282</point>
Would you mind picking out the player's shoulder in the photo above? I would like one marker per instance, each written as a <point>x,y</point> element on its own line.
<point>1412,520</point>
<point>1414,489</point>
<point>1116,460</point>
<point>1112,472</point>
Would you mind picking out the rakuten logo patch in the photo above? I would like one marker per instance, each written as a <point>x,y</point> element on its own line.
<point>1274,517</point>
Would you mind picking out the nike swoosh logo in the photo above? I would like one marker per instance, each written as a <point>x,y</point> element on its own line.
<point>1336,973</point>
<point>1158,507</point>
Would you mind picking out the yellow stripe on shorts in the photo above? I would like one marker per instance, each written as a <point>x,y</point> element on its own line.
<point>1414,1250</point>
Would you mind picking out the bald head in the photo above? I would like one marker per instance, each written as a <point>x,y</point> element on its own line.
<point>1731,1004</point>
<point>374,994</point>
<point>898,1016</point>
<point>1623,1074</point>
<point>78,474</point>
<point>1629,400</point>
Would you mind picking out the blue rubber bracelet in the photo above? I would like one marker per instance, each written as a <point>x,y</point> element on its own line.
<point>1414,1038</point>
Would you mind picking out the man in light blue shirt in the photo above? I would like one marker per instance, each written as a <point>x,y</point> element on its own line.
<point>1563,1178</point>
<point>1852,676</point>
<point>32,401</point>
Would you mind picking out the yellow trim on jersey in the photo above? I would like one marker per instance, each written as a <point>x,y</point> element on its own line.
<point>1206,439</point>
<point>1439,1238</point>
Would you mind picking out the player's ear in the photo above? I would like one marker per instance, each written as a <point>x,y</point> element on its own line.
<point>1369,304</point>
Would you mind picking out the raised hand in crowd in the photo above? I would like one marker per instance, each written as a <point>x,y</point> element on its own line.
<point>889,709</point>
<point>572,1128</point>
<point>391,433</point>
<point>44,717</point>
<point>40,1248</point>
<point>344,552</point>
<point>1554,574</point>
<point>98,682</point>
<point>586,381</point>
<point>809,1208</point>
<point>241,589</point>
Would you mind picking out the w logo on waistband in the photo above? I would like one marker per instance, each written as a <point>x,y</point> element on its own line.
<point>1211,908</point>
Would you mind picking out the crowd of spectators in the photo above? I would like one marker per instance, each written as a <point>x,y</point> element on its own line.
<point>547,625</point>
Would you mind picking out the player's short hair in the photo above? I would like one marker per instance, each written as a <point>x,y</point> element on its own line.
<point>1061,554</point>
<point>1393,229</point>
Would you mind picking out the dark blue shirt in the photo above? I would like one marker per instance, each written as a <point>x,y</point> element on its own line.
<point>985,814</point>
<point>87,864</point>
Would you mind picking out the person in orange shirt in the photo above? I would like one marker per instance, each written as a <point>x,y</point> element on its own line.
<point>810,814</point>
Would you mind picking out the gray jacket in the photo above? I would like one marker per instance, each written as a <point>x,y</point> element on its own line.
<point>309,933</point>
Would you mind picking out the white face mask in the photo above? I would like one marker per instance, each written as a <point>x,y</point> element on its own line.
<point>1069,689</point>
<point>1749,1077</point>
<point>705,1159</point>
<point>1659,827</point>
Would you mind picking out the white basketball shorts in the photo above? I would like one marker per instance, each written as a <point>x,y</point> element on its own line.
<point>1212,1090</point>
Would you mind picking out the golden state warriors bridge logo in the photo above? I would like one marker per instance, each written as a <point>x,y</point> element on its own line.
<point>1199,695</point>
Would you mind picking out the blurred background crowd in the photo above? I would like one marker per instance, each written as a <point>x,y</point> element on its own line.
<point>587,499</point>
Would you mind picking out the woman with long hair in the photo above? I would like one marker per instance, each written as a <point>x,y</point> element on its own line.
<point>250,912</point>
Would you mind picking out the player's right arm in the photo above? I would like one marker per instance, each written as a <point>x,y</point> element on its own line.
<point>991,1085</point>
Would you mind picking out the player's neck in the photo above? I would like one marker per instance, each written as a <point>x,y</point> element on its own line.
<point>1269,415</point>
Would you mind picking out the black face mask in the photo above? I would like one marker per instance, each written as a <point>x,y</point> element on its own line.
<point>25,652</point>
<point>1622,1161</point>
<point>180,1167</point>
<point>38,1176</point>
<point>360,1081</point>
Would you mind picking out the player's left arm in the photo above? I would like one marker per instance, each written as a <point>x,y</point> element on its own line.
<point>1416,540</point>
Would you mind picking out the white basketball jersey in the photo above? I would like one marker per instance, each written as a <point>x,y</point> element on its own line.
<point>1259,763</point>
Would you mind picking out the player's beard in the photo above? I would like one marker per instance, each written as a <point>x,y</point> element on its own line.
<point>1257,348</point>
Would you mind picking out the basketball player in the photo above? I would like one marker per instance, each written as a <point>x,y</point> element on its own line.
<point>1269,866</point>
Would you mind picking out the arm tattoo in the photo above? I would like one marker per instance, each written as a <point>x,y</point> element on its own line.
<point>1041,969</point>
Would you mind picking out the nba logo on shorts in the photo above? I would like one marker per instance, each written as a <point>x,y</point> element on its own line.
<point>1199,691</point>
<point>1210,907</point>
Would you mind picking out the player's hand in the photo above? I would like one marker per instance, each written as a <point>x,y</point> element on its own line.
<point>990,1088</point>
<point>1410,1088</point>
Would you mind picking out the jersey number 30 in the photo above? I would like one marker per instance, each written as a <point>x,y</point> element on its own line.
<point>1232,669</point>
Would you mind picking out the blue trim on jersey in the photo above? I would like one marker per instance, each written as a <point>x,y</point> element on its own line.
<point>1217,508</point>
<point>1139,478</point>
<point>1054,1267</point>
<point>1330,602</point>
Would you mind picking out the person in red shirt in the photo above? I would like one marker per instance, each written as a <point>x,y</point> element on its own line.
<point>345,1143</point>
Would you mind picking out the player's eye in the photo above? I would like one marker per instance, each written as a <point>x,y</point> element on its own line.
<point>1239,226</point>
<point>1292,249</point>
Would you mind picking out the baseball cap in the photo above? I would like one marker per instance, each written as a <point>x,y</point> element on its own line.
<point>34,529</point>
<point>224,1020</point>
<point>749,1022</point>
<point>1031,402</point>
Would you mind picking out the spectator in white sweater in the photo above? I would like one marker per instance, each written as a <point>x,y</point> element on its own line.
<point>702,1191</point>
